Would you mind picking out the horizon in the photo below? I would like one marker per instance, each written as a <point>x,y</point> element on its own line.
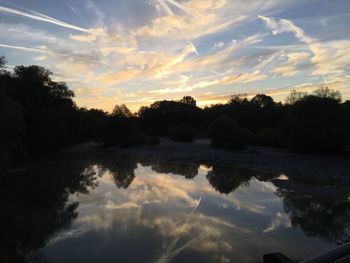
<point>138,52</point>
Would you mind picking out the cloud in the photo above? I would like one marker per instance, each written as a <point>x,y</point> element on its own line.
<point>279,26</point>
<point>155,57</point>
<point>329,57</point>
<point>219,45</point>
<point>289,68</point>
<point>206,5</point>
<point>280,221</point>
<point>183,8</point>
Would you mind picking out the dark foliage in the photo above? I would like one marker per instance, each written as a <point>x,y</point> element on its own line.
<point>225,133</point>
<point>38,115</point>
<point>315,124</point>
<point>181,133</point>
<point>161,115</point>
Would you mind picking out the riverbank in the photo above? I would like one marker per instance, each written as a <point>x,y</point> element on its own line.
<point>260,158</point>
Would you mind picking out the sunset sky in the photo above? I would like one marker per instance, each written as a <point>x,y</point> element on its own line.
<point>138,51</point>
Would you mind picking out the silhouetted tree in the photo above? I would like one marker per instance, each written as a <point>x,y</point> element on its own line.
<point>295,96</point>
<point>189,100</point>
<point>2,62</point>
<point>121,111</point>
<point>38,115</point>
<point>325,92</point>
<point>12,127</point>
<point>316,124</point>
<point>263,101</point>
<point>47,106</point>
<point>225,133</point>
<point>181,133</point>
<point>161,115</point>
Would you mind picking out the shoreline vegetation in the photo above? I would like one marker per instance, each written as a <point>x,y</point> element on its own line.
<point>38,116</point>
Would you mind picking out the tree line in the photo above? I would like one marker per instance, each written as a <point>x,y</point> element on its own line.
<point>38,116</point>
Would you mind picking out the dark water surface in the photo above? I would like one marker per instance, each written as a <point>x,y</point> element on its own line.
<point>115,208</point>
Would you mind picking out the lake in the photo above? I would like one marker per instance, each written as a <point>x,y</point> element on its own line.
<point>119,208</point>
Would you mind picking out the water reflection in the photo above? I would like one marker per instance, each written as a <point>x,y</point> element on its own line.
<point>106,208</point>
<point>34,206</point>
<point>322,213</point>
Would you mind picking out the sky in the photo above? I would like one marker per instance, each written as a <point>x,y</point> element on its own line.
<point>139,51</point>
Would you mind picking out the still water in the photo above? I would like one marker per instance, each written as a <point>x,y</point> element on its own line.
<point>129,209</point>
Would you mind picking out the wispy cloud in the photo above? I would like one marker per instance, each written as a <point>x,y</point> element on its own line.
<point>196,47</point>
<point>329,57</point>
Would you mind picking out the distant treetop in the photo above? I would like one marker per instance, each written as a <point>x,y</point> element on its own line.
<point>189,100</point>
<point>263,101</point>
<point>121,111</point>
<point>325,92</point>
<point>238,98</point>
<point>322,92</point>
<point>2,61</point>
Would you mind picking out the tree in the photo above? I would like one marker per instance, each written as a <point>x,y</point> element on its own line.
<point>316,124</point>
<point>48,108</point>
<point>238,98</point>
<point>295,96</point>
<point>181,133</point>
<point>189,100</point>
<point>225,133</point>
<point>161,115</point>
<point>11,122</point>
<point>325,92</point>
<point>2,62</point>
<point>263,101</point>
<point>121,111</point>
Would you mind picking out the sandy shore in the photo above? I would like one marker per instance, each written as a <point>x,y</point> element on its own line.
<point>267,159</point>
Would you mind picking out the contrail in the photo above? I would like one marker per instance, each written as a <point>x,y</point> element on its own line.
<point>170,252</point>
<point>41,17</point>
<point>184,8</point>
<point>169,12</point>
<point>25,48</point>
<point>28,10</point>
<point>50,52</point>
<point>166,8</point>
<point>193,47</point>
<point>75,11</point>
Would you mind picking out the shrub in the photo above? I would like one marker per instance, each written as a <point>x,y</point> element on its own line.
<point>269,137</point>
<point>138,138</point>
<point>126,132</point>
<point>181,133</point>
<point>316,124</point>
<point>225,133</point>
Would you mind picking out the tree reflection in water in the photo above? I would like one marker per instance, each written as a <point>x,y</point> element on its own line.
<point>226,179</point>
<point>186,168</point>
<point>35,205</point>
<point>122,171</point>
<point>35,202</point>
<point>325,217</point>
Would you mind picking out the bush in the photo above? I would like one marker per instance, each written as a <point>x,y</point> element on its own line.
<point>126,132</point>
<point>225,133</point>
<point>316,125</point>
<point>270,137</point>
<point>181,133</point>
<point>139,138</point>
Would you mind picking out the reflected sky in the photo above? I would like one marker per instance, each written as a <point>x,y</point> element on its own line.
<point>152,216</point>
